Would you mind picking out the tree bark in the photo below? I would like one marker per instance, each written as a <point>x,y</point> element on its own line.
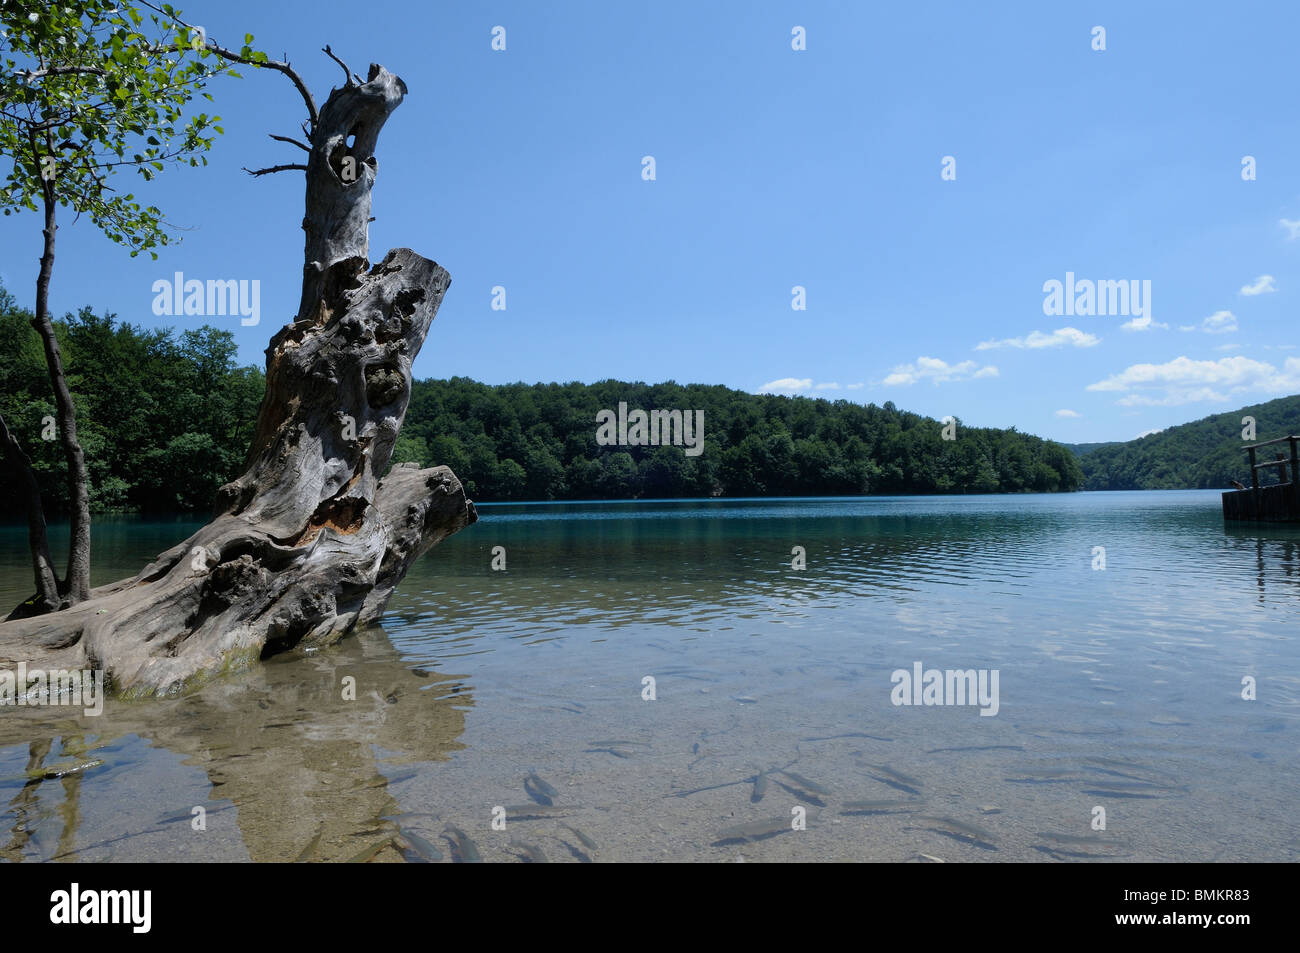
<point>309,542</point>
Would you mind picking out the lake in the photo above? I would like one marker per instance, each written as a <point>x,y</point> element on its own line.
<point>1119,679</point>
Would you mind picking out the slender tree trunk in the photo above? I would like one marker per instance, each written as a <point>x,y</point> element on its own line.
<point>47,583</point>
<point>77,582</point>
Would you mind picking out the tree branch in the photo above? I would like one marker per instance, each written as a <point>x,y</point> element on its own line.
<point>276,65</point>
<point>31,74</point>
<point>291,141</point>
<point>351,78</point>
<point>234,57</point>
<point>275,168</point>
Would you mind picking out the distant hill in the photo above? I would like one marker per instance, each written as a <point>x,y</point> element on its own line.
<point>541,442</point>
<point>1079,449</point>
<point>1203,454</point>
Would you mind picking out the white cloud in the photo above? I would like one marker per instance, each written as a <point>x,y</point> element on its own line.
<point>1261,285</point>
<point>856,386</point>
<point>1037,339</point>
<point>796,385</point>
<point>1228,347</point>
<point>937,371</point>
<point>1292,227</point>
<point>1142,324</point>
<point>1184,381</point>
<point>1147,433</point>
<point>786,385</point>
<point>1068,413</point>
<point>1221,322</point>
<point>1175,398</point>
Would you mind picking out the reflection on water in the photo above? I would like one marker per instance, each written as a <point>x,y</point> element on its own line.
<point>1120,688</point>
<point>276,758</point>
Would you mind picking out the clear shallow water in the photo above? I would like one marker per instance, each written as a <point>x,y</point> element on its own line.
<point>1118,688</point>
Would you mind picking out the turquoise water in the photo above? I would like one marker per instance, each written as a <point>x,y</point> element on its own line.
<point>1118,688</point>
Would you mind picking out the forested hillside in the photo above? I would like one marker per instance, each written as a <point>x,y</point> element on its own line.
<point>1203,454</point>
<point>538,442</point>
<point>165,419</point>
<point>1079,449</point>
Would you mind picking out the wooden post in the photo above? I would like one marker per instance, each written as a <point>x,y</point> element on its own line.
<point>1254,483</point>
<point>1295,480</point>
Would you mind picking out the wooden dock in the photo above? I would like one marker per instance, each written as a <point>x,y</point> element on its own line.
<point>1278,502</point>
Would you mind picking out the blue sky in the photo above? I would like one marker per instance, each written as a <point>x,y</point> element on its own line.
<point>775,168</point>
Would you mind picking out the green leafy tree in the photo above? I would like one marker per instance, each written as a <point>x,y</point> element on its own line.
<point>88,92</point>
<point>410,448</point>
<point>545,475</point>
<point>510,479</point>
<point>164,419</point>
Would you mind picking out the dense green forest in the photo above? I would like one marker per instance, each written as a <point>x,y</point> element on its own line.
<point>538,442</point>
<point>1204,454</point>
<point>165,419</point>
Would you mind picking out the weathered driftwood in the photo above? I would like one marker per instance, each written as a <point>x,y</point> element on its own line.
<point>341,172</point>
<point>309,542</point>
